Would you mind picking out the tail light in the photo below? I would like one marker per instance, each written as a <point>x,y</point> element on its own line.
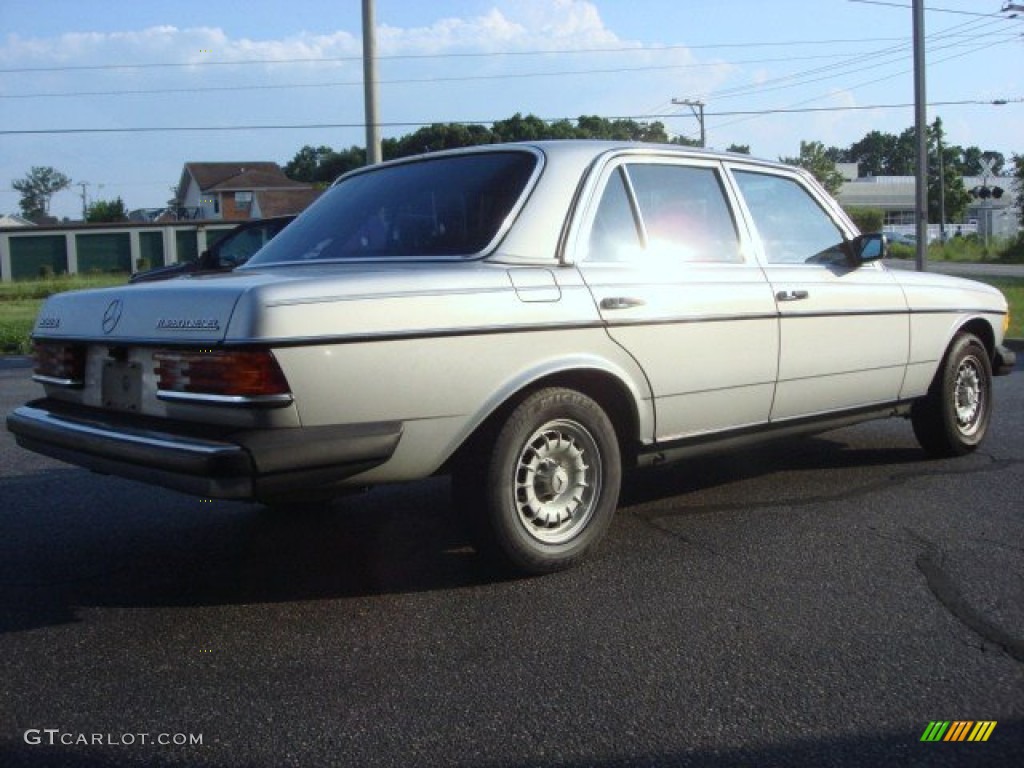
<point>223,376</point>
<point>59,363</point>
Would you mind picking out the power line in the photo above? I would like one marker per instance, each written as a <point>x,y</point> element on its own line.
<point>932,9</point>
<point>870,82</point>
<point>728,93</point>
<point>464,54</point>
<point>404,81</point>
<point>410,124</point>
<point>893,54</point>
<point>452,55</point>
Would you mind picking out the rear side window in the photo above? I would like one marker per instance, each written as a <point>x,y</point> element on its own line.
<point>614,235</point>
<point>683,216</point>
<point>446,206</point>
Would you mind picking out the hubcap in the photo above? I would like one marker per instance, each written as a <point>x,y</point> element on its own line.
<point>558,481</point>
<point>968,396</point>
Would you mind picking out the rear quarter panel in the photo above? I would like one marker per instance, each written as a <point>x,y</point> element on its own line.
<point>438,360</point>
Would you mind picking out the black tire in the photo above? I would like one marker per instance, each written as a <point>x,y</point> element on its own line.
<point>952,419</point>
<point>543,492</point>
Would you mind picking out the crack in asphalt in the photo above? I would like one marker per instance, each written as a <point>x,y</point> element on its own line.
<point>945,590</point>
<point>929,562</point>
<point>652,522</point>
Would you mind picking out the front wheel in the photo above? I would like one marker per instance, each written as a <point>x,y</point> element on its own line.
<point>545,492</point>
<point>953,417</point>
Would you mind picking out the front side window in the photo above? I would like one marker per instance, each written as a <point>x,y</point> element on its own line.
<point>443,206</point>
<point>794,228</point>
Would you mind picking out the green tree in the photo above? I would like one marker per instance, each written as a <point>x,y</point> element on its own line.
<point>685,141</point>
<point>337,163</point>
<point>945,182</point>
<point>39,185</point>
<point>969,163</point>
<point>903,159</point>
<point>106,210</point>
<point>431,138</point>
<point>1018,173</point>
<point>739,149</point>
<point>814,158</point>
<point>519,128</point>
<point>873,154</point>
<point>532,128</point>
<point>306,163</point>
<point>867,219</point>
<point>594,127</point>
<point>322,165</point>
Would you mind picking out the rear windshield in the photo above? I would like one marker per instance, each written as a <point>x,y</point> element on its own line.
<point>446,206</point>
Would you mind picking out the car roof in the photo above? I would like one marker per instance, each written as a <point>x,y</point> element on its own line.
<point>586,151</point>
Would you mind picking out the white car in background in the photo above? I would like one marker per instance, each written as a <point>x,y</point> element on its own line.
<point>531,318</point>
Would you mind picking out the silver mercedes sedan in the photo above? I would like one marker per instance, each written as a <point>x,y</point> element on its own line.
<point>532,319</point>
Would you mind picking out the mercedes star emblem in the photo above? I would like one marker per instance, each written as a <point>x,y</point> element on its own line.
<point>112,315</point>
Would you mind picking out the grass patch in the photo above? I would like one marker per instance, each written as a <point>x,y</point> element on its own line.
<point>20,302</point>
<point>966,249</point>
<point>44,287</point>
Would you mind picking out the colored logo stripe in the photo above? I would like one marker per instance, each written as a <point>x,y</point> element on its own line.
<point>982,730</point>
<point>958,730</point>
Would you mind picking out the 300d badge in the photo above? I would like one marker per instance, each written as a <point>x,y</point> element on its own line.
<point>188,324</point>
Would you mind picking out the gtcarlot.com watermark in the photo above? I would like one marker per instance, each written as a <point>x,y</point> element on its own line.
<point>54,737</point>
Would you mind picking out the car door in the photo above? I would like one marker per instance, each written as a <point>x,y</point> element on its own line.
<point>844,327</point>
<point>669,269</point>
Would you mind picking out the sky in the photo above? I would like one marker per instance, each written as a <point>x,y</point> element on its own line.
<point>273,76</point>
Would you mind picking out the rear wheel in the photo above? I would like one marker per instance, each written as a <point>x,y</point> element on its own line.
<point>953,417</point>
<point>544,492</point>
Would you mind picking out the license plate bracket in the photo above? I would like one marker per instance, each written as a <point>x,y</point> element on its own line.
<point>122,385</point>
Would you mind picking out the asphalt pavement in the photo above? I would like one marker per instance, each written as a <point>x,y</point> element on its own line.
<point>814,602</point>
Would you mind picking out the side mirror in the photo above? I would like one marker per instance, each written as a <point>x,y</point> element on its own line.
<point>870,247</point>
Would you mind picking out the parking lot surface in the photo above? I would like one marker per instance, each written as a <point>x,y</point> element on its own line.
<point>812,602</point>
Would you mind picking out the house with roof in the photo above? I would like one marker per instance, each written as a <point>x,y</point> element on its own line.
<point>237,191</point>
<point>13,220</point>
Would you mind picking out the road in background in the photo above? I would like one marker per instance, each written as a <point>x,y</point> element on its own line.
<point>963,268</point>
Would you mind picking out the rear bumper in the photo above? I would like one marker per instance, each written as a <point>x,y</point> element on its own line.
<point>213,462</point>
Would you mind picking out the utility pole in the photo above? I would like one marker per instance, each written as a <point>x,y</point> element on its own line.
<point>85,204</point>
<point>921,126</point>
<point>942,190</point>
<point>697,107</point>
<point>373,148</point>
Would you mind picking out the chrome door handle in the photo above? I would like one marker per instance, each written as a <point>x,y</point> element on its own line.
<point>791,295</point>
<point>621,302</point>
